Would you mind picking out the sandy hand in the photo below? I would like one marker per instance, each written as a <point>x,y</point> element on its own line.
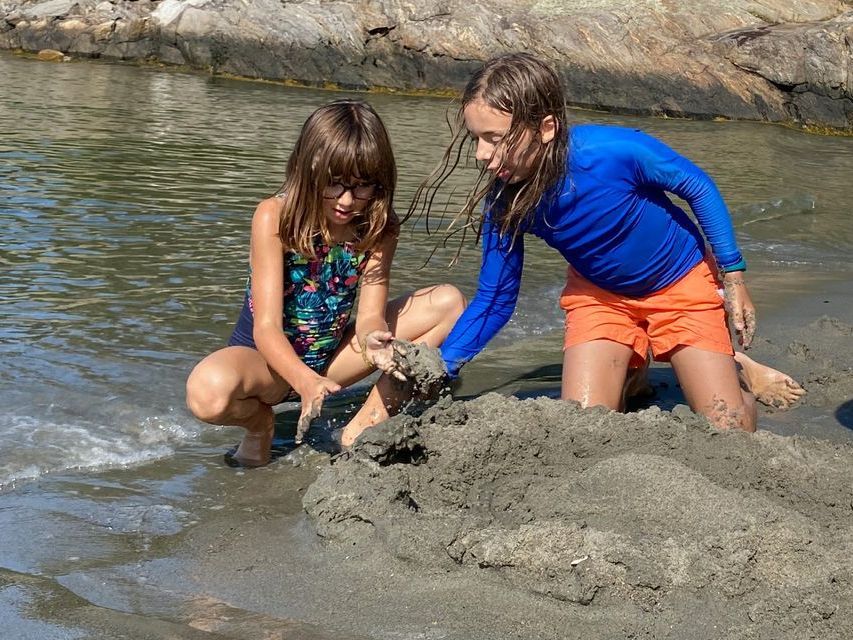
<point>403,369</point>
<point>740,307</point>
<point>313,395</point>
<point>388,354</point>
<point>423,366</point>
<point>305,419</point>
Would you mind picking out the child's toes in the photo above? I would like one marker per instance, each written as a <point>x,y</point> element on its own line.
<point>795,387</point>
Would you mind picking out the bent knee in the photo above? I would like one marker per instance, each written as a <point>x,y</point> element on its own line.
<point>210,392</point>
<point>448,301</point>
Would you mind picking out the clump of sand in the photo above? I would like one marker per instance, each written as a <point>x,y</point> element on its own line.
<point>653,514</point>
<point>422,364</point>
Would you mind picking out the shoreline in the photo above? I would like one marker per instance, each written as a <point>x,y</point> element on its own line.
<point>787,65</point>
<point>438,94</point>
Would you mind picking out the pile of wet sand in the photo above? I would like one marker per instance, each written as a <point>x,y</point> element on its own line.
<point>750,536</point>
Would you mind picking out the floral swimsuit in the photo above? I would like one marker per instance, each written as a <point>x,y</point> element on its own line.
<point>319,293</point>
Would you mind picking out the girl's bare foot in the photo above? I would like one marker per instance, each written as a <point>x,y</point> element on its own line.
<point>351,433</point>
<point>254,449</point>
<point>769,386</point>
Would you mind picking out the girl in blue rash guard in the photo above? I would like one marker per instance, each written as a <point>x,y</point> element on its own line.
<point>638,280</point>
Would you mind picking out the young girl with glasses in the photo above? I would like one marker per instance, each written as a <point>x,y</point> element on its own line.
<point>639,277</point>
<point>330,230</point>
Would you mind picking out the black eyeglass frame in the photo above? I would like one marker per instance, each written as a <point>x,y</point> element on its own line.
<point>352,188</point>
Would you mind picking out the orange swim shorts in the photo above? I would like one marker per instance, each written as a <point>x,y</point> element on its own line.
<point>689,312</point>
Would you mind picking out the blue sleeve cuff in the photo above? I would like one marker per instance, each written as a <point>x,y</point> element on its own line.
<point>740,265</point>
<point>454,366</point>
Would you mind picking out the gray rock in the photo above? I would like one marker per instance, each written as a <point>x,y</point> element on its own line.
<point>777,60</point>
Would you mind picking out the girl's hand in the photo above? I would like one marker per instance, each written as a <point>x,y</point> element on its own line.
<point>312,392</point>
<point>379,349</point>
<point>740,307</point>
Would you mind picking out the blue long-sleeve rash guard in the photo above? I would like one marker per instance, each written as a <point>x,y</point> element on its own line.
<point>612,220</point>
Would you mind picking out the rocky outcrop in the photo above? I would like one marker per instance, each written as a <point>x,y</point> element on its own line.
<point>777,60</point>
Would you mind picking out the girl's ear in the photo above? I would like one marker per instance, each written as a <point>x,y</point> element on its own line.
<point>548,129</point>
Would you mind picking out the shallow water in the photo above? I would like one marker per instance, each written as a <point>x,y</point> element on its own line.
<point>125,198</point>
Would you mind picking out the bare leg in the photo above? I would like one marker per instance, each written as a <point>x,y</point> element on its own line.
<point>711,386</point>
<point>427,316</point>
<point>234,386</point>
<point>594,373</point>
<point>770,387</point>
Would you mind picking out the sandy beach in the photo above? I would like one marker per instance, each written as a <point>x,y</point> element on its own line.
<point>500,517</point>
<point>486,518</point>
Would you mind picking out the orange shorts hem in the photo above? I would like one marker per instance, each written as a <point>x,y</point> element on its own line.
<point>639,344</point>
<point>687,313</point>
<point>662,351</point>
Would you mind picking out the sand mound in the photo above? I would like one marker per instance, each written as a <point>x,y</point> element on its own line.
<point>747,536</point>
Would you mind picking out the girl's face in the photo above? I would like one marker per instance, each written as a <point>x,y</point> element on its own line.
<point>345,198</point>
<point>488,127</point>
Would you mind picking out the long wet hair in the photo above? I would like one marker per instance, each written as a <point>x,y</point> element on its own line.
<point>340,140</point>
<point>529,90</point>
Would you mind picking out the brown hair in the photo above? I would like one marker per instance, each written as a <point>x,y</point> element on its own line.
<point>341,139</point>
<point>529,90</point>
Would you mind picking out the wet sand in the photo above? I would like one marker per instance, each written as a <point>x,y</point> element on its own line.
<point>633,523</point>
<point>493,517</point>
<point>499,518</point>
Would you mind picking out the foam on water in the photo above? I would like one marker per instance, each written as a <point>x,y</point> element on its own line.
<point>35,446</point>
<point>793,231</point>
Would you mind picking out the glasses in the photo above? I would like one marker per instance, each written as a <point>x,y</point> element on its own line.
<point>359,191</point>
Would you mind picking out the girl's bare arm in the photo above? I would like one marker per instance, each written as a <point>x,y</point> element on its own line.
<point>370,315</point>
<point>376,342</point>
<point>267,261</point>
